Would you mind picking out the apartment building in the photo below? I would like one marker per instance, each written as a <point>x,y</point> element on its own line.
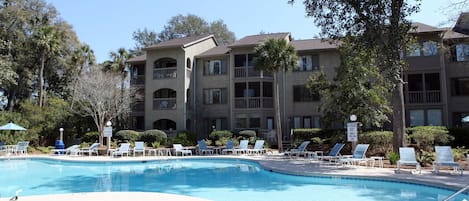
<point>192,83</point>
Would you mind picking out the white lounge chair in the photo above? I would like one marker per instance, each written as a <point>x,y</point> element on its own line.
<point>203,149</point>
<point>298,151</point>
<point>407,157</point>
<point>444,157</point>
<point>243,147</point>
<point>178,148</point>
<point>139,147</point>
<point>123,149</point>
<point>90,150</point>
<point>258,148</point>
<point>71,150</point>
<point>359,156</point>
<point>22,147</point>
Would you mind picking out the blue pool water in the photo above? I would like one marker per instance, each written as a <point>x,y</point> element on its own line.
<point>218,180</point>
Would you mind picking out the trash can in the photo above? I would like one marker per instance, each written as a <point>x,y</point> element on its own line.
<point>59,145</point>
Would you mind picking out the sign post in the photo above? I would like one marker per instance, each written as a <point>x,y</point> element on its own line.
<point>352,131</point>
<point>107,132</point>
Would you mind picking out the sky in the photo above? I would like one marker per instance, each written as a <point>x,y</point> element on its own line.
<point>107,25</point>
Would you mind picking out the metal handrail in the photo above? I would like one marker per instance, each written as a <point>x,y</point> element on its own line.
<point>457,193</point>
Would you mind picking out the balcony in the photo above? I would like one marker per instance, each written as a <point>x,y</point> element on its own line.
<point>138,106</point>
<point>164,104</point>
<point>249,72</point>
<point>253,102</point>
<point>137,80</point>
<point>164,73</point>
<point>424,97</point>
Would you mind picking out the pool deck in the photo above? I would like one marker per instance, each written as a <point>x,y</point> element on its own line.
<point>275,163</point>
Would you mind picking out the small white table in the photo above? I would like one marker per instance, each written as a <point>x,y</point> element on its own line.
<point>375,159</point>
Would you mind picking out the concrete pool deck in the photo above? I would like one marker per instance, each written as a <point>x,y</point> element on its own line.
<point>275,163</point>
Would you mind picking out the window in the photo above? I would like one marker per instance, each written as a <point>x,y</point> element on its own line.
<point>212,124</point>
<point>317,122</point>
<point>416,117</point>
<point>215,67</point>
<point>188,63</point>
<point>270,123</point>
<point>461,52</point>
<point>267,89</point>
<point>303,94</point>
<point>244,60</point>
<point>308,63</point>
<point>306,122</point>
<point>254,122</point>
<point>165,63</point>
<point>165,93</point>
<point>429,48</point>
<point>432,81</point>
<point>415,82</point>
<point>241,122</point>
<point>215,96</point>
<point>460,86</point>
<point>434,117</point>
<point>414,50</point>
<point>296,122</point>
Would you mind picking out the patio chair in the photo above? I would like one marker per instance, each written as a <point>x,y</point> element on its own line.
<point>334,154</point>
<point>298,151</point>
<point>444,158</point>
<point>258,148</point>
<point>229,147</point>
<point>90,150</point>
<point>123,149</point>
<point>359,156</point>
<point>178,148</point>
<point>22,147</point>
<point>203,149</point>
<point>139,147</point>
<point>243,147</point>
<point>407,157</point>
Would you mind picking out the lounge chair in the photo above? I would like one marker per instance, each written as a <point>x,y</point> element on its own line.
<point>359,156</point>
<point>90,150</point>
<point>71,150</point>
<point>21,148</point>
<point>203,149</point>
<point>243,147</point>
<point>298,151</point>
<point>123,149</point>
<point>139,147</point>
<point>178,148</point>
<point>258,148</point>
<point>444,157</point>
<point>334,153</point>
<point>407,157</point>
<point>229,147</point>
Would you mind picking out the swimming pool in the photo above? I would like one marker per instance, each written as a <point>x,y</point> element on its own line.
<point>214,179</point>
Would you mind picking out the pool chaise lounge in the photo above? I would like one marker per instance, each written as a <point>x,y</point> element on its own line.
<point>124,149</point>
<point>407,157</point>
<point>258,148</point>
<point>203,149</point>
<point>298,151</point>
<point>444,158</point>
<point>178,148</point>
<point>359,156</point>
<point>93,149</point>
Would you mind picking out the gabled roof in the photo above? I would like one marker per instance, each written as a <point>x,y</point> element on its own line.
<point>424,28</point>
<point>462,25</point>
<point>450,34</point>
<point>254,40</point>
<point>313,44</point>
<point>182,42</point>
<point>216,51</point>
<point>139,58</point>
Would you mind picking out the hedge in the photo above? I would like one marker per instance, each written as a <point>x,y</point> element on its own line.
<point>127,136</point>
<point>151,136</point>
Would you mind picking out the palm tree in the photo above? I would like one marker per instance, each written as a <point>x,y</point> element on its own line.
<point>47,39</point>
<point>272,56</point>
<point>83,57</point>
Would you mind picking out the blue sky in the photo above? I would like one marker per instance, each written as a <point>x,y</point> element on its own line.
<point>107,25</point>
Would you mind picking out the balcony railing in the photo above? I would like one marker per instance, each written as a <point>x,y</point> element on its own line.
<point>138,107</point>
<point>256,102</point>
<point>164,73</point>
<point>137,80</point>
<point>421,97</point>
<point>249,72</point>
<point>164,104</point>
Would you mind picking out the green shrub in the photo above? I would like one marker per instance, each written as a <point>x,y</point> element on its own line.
<point>155,144</point>
<point>393,157</point>
<point>380,141</point>
<point>247,133</point>
<point>126,136</point>
<point>428,136</point>
<point>425,158</point>
<point>222,141</point>
<point>90,137</point>
<point>185,138</point>
<point>216,135</point>
<point>151,136</point>
<point>302,134</point>
<point>461,136</point>
<point>459,153</point>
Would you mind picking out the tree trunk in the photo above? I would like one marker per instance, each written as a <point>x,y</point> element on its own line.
<point>277,114</point>
<point>41,79</point>
<point>398,117</point>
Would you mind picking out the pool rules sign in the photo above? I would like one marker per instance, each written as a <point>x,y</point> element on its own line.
<point>352,132</point>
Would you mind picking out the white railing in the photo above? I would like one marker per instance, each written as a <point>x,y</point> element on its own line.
<point>164,73</point>
<point>164,104</point>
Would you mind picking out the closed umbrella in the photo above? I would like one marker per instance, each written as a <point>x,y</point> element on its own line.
<point>12,127</point>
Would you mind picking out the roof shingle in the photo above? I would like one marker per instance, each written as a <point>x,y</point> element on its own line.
<point>254,40</point>
<point>180,42</point>
<point>313,44</point>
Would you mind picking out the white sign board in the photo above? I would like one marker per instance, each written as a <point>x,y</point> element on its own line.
<point>352,132</point>
<point>107,132</point>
